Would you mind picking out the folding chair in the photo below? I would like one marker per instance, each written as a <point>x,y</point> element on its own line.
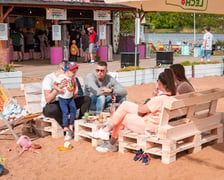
<point>4,97</point>
<point>11,117</point>
<point>153,48</point>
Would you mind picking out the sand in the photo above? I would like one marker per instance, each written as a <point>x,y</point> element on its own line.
<point>84,162</point>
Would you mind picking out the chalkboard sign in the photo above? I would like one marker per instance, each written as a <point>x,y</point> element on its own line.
<point>25,22</point>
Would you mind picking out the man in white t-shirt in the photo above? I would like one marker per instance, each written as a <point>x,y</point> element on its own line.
<point>207,45</point>
<point>49,100</point>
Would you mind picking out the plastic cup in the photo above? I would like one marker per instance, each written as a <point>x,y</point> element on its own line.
<point>67,144</point>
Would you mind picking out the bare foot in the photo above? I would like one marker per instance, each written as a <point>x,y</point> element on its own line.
<point>66,129</point>
<point>71,127</point>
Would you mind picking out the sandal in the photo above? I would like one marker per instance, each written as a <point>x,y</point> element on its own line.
<point>138,155</point>
<point>145,159</point>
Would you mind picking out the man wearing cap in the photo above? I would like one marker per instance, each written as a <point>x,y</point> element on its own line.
<point>49,100</point>
<point>92,38</point>
<point>102,87</point>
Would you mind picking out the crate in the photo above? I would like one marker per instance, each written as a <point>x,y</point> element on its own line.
<point>44,126</point>
<point>83,128</point>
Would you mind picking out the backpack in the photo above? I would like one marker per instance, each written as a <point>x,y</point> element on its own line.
<point>97,38</point>
<point>73,49</point>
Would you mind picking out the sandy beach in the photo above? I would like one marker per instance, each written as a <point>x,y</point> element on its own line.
<point>84,162</point>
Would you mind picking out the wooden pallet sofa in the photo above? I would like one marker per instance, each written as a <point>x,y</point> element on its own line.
<point>41,124</point>
<point>188,122</point>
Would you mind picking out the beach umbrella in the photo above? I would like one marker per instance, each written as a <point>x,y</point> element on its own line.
<point>193,6</point>
<point>189,6</point>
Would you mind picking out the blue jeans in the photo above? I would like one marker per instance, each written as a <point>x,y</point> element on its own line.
<point>206,53</point>
<point>64,105</point>
<point>99,103</point>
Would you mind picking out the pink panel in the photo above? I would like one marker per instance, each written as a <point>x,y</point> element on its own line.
<point>141,49</point>
<point>102,52</point>
<point>56,55</point>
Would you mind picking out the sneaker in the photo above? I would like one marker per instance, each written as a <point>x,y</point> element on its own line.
<point>92,62</point>
<point>68,135</point>
<point>107,147</point>
<point>138,155</point>
<point>145,159</point>
<point>100,134</point>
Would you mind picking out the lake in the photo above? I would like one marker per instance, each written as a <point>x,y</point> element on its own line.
<point>177,38</point>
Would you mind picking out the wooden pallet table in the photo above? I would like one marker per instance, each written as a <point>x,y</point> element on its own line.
<point>83,128</point>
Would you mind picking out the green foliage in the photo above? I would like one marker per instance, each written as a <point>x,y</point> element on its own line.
<point>211,62</point>
<point>188,63</point>
<point>127,22</point>
<point>130,68</point>
<point>7,67</point>
<point>174,20</point>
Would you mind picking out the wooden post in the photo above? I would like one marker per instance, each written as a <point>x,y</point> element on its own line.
<point>2,18</point>
<point>1,21</point>
<point>56,41</point>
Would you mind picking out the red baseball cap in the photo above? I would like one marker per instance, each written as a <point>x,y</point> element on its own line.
<point>70,65</point>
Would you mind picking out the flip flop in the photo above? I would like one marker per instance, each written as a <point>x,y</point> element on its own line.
<point>62,148</point>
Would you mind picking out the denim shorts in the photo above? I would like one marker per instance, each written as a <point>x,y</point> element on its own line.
<point>206,53</point>
<point>91,47</point>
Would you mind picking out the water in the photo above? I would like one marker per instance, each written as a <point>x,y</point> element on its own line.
<point>177,38</point>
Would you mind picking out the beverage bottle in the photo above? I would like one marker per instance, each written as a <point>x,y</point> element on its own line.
<point>86,116</point>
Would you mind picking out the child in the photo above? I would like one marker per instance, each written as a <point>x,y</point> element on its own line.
<point>73,51</point>
<point>66,96</point>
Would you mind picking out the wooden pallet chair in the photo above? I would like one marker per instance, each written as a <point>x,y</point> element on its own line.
<point>9,123</point>
<point>153,48</point>
<point>187,122</point>
<point>41,124</point>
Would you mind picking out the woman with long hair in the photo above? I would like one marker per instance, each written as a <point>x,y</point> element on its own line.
<point>182,83</point>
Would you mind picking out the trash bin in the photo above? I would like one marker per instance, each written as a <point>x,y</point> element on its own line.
<point>197,50</point>
<point>128,59</point>
<point>185,50</point>
<point>164,57</point>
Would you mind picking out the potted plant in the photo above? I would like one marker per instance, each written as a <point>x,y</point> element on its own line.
<point>126,76</point>
<point>9,77</point>
<point>206,69</point>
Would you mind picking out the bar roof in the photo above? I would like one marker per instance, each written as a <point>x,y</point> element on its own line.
<point>65,4</point>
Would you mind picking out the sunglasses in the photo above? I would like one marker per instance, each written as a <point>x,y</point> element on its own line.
<point>100,70</point>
